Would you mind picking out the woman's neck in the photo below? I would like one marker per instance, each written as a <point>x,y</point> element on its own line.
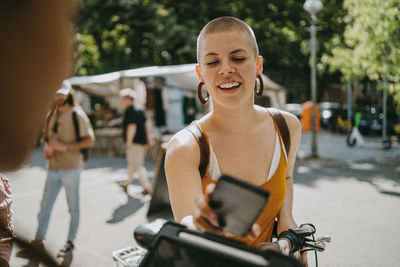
<point>235,120</point>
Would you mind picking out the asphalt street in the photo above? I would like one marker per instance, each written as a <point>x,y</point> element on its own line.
<point>353,194</point>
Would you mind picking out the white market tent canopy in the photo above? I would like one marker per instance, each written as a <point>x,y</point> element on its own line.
<point>177,76</point>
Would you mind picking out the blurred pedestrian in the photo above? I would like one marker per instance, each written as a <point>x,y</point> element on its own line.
<point>189,108</point>
<point>136,136</point>
<point>63,152</point>
<point>160,104</point>
<point>355,137</point>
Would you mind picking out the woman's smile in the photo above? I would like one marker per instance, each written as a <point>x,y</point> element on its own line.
<point>229,87</point>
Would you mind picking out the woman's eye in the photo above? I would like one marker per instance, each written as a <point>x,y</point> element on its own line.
<point>238,59</point>
<point>212,63</point>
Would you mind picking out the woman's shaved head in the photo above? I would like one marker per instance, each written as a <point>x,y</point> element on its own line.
<point>225,24</point>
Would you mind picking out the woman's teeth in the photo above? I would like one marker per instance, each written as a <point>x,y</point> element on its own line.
<point>229,85</point>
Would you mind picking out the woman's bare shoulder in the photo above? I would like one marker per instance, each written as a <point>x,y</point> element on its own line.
<point>294,126</point>
<point>183,145</point>
<point>292,121</point>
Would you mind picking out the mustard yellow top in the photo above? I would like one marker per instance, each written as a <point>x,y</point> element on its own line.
<point>275,185</point>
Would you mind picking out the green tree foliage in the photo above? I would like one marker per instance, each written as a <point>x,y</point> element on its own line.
<point>369,47</point>
<point>135,33</point>
<point>88,60</point>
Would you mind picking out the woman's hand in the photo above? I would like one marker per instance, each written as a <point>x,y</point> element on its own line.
<point>206,219</point>
<point>284,245</point>
<point>303,258</point>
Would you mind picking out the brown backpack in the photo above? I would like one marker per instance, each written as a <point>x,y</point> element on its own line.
<point>85,151</point>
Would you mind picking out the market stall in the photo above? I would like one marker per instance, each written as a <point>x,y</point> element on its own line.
<point>179,85</point>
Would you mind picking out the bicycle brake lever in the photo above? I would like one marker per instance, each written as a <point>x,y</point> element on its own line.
<point>314,246</point>
<point>323,239</point>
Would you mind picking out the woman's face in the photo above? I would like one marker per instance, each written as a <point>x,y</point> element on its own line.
<point>229,68</point>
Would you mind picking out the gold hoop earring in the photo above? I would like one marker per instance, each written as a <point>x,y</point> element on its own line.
<point>200,95</point>
<point>260,91</point>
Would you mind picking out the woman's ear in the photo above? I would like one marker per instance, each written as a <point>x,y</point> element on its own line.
<point>199,73</point>
<point>259,65</point>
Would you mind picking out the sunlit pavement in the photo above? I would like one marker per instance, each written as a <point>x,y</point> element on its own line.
<point>108,215</point>
<point>352,194</point>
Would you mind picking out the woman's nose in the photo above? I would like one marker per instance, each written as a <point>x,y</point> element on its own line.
<point>226,68</point>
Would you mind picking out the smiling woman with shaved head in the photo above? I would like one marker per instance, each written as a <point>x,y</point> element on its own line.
<point>237,137</point>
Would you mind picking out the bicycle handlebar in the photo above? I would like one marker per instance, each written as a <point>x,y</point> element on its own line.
<point>145,233</point>
<point>299,237</point>
<point>300,241</point>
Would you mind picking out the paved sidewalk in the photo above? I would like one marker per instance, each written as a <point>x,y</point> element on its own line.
<point>334,147</point>
<point>353,194</point>
<point>108,216</point>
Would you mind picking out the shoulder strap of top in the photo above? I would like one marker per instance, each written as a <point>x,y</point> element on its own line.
<point>203,144</point>
<point>282,126</point>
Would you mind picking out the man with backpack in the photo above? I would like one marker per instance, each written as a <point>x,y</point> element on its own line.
<point>67,136</point>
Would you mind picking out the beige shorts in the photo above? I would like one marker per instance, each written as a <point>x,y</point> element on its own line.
<point>135,157</point>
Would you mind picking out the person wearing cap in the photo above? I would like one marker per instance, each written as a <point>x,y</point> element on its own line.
<point>62,150</point>
<point>136,136</point>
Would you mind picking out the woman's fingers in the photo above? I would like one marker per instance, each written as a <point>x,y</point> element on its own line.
<point>255,231</point>
<point>284,244</point>
<point>206,219</point>
<point>303,258</point>
<point>203,224</point>
<point>205,211</point>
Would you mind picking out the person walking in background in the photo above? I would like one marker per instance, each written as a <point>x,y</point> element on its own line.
<point>62,150</point>
<point>160,104</point>
<point>136,134</point>
<point>355,137</point>
<point>189,108</point>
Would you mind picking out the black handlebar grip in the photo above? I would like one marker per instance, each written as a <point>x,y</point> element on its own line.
<point>144,233</point>
<point>295,241</point>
